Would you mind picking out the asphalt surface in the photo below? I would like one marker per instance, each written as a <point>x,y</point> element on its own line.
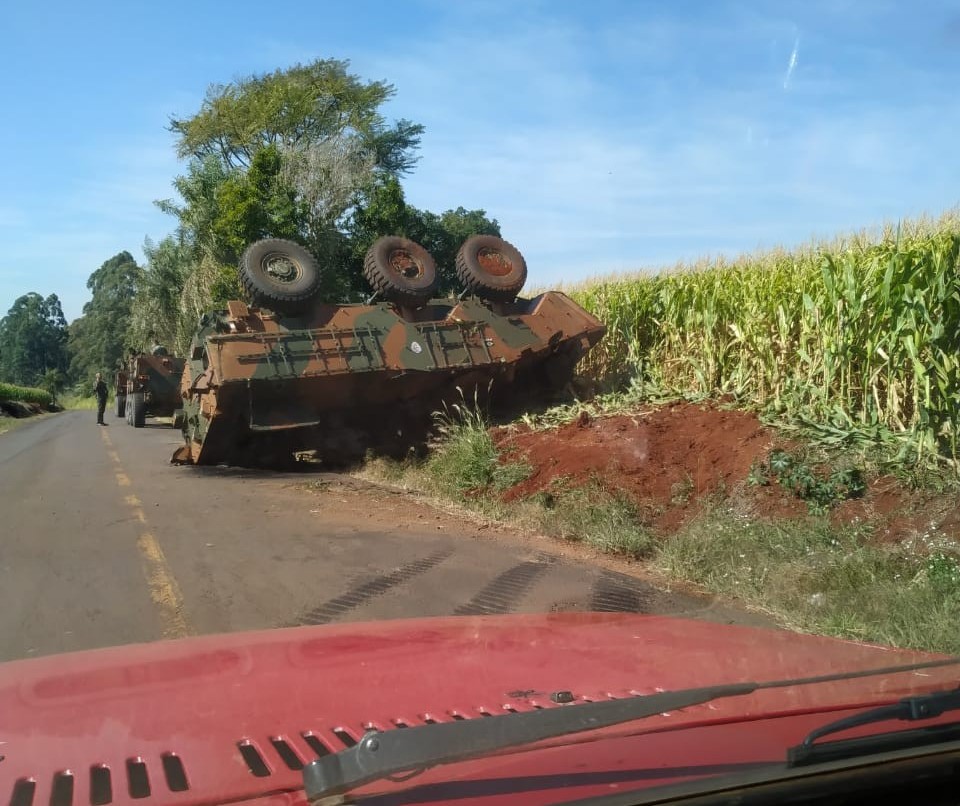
<point>103,542</point>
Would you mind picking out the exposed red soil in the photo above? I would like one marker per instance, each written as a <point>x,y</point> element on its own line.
<point>673,459</point>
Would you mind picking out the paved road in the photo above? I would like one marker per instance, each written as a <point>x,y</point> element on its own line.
<point>103,542</point>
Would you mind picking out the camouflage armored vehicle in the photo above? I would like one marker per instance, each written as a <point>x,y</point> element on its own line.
<point>149,384</point>
<point>289,374</point>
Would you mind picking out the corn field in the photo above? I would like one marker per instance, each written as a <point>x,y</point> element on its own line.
<point>25,394</point>
<point>857,336</point>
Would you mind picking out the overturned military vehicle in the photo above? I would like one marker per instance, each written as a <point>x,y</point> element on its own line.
<point>289,375</point>
<point>149,384</point>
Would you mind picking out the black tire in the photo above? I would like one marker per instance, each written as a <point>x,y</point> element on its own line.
<point>279,274</point>
<point>491,268</point>
<point>139,414</point>
<point>120,405</point>
<point>400,271</point>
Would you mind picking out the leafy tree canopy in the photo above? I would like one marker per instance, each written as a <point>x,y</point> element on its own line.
<point>292,109</point>
<point>33,340</point>
<point>156,309</point>
<point>98,338</point>
<point>303,153</point>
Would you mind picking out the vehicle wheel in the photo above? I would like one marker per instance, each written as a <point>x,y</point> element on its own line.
<point>491,268</point>
<point>138,415</point>
<point>279,274</point>
<point>120,405</point>
<point>401,271</point>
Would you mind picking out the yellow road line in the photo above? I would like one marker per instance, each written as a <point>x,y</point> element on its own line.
<point>164,590</point>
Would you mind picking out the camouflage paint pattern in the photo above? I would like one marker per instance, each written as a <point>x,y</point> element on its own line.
<point>157,376</point>
<point>343,378</point>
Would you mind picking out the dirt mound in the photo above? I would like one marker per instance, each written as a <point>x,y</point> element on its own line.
<point>666,459</point>
<point>20,409</point>
<point>672,459</point>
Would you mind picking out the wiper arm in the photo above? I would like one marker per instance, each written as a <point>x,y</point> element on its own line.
<point>909,709</point>
<point>383,754</point>
<point>379,755</point>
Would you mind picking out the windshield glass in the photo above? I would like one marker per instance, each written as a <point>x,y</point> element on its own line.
<point>621,337</point>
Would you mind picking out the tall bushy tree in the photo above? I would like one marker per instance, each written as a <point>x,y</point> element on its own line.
<point>33,340</point>
<point>284,154</point>
<point>295,108</point>
<point>157,306</point>
<point>303,153</point>
<point>99,337</point>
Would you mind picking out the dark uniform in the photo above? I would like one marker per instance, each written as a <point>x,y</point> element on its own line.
<point>100,390</point>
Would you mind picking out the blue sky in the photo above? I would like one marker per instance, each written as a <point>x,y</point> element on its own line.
<point>605,136</point>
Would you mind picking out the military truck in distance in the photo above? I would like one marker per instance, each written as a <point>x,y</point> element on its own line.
<point>149,384</point>
<point>286,374</point>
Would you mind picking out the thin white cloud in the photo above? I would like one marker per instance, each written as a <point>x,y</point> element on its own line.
<point>792,64</point>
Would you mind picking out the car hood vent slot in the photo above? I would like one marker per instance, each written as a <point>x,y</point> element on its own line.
<point>101,785</point>
<point>68,788</point>
<point>23,792</point>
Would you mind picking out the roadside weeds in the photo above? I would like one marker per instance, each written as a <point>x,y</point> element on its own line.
<point>809,574</point>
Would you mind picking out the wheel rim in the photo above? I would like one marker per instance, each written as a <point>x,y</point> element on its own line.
<point>281,269</point>
<point>405,264</point>
<point>494,262</point>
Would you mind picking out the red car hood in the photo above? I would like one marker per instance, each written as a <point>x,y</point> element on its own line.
<point>233,717</point>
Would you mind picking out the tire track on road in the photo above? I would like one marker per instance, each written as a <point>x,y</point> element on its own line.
<point>339,605</point>
<point>618,593</point>
<point>504,591</point>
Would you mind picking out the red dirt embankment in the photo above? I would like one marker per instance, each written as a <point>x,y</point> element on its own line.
<point>19,409</point>
<point>671,460</point>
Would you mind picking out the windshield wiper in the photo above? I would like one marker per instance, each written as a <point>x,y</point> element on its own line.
<point>909,709</point>
<point>381,755</point>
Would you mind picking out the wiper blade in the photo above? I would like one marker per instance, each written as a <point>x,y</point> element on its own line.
<point>909,709</point>
<point>384,754</point>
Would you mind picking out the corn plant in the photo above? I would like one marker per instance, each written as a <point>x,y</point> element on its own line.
<point>858,336</point>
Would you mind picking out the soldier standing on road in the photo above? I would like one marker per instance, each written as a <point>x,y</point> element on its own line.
<point>100,390</point>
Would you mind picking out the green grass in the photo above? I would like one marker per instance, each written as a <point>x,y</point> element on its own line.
<point>808,574</point>
<point>25,394</point>
<point>605,519</point>
<point>466,461</point>
<point>71,401</point>
<point>821,579</point>
<point>466,467</point>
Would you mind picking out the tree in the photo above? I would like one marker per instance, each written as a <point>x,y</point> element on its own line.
<point>284,154</point>
<point>384,211</point>
<point>54,381</point>
<point>33,339</point>
<point>256,204</point>
<point>293,109</point>
<point>98,338</point>
<point>157,307</point>
<point>305,154</point>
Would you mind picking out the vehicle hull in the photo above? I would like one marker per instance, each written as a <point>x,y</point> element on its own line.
<point>339,381</point>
